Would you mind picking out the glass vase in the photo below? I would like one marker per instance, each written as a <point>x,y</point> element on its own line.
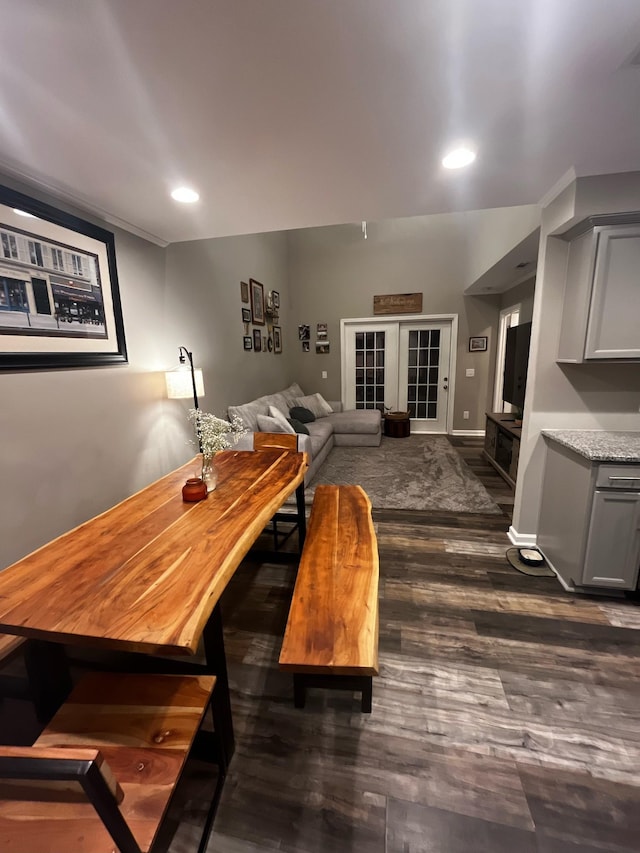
<point>209,473</point>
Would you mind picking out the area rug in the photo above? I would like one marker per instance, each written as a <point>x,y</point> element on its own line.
<point>421,472</point>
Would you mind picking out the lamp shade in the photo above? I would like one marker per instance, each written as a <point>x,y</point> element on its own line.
<point>180,385</point>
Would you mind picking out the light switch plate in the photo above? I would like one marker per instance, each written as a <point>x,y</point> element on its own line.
<point>470,371</point>
<point>324,374</point>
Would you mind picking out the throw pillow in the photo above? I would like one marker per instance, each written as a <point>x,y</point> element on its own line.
<point>299,413</point>
<point>298,426</point>
<point>274,412</point>
<point>316,404</point>
<point>267,424</point>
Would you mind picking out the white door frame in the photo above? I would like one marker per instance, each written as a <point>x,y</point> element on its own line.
<point>404,318</point>
<point>498,385</point>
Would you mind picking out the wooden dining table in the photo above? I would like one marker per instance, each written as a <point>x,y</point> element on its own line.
<point>146,576</point>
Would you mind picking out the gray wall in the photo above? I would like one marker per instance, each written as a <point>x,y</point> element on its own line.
<point>203,302</point>
<point>583,396</point>
<point>335,274</point>
<point>521,294</point>
<point>74,442</point>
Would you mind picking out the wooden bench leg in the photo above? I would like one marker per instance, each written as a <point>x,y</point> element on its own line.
<point>358,683</point>
<point>367,695</point>
<point>299,691</point>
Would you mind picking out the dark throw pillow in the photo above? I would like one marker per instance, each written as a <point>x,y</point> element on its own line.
<point>298,426</point>
<point>302,415</point>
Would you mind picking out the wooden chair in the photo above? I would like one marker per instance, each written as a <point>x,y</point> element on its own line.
<point>278,441</point>
<point>101,775</point>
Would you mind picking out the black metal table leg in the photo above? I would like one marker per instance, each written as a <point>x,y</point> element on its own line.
<point>49,677</point>
<point>213,638</point>
<point>302,518</point>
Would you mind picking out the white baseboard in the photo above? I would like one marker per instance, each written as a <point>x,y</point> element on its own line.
<point>521,540</point>
<point>474,432</point>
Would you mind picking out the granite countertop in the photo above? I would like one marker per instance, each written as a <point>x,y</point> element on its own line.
<point>598,445</point>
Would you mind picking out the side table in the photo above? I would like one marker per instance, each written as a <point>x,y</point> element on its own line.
<point>397,424</point>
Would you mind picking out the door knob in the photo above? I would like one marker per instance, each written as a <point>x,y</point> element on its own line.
<point>445,387</point>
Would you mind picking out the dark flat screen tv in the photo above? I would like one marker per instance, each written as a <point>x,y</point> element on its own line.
<point>516,360</point>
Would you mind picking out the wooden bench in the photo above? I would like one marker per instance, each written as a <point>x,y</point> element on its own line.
<point>100,776</point>
<point>331,639</point>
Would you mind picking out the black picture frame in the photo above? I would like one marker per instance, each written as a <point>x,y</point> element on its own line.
<point>74,298</point>
<point>277,340</point>
<point>257,340</point>
<point>247,342</point>
<point>246,315</point>
<point>478,344</point>
<point>257,302</point>
<point>244,291</point>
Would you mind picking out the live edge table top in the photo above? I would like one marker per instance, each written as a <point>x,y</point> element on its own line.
<point>146,575</point>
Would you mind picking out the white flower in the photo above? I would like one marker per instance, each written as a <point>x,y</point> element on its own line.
<point>214,434</point>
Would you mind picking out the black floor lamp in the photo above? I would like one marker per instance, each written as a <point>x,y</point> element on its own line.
<point>185,382</point>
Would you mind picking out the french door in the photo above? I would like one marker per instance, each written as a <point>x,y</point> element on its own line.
<point>402,365</point>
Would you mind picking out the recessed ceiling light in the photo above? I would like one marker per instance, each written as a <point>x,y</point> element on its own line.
<point>185,194</point>
<point>24,213</point>
<point>458,158</point>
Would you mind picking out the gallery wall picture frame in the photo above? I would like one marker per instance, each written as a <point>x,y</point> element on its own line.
<point>257,340</point>
<point>59,295</point>
<point>244,291</point>
<point>277,339</point>
<point>256,291</point>
<point>304,332</point>
<point>247,342</point>
<point>275,299</point>
<point>323,347</point>
<point>478,344</point>
<point>246,315</point>
<point>306,346</point>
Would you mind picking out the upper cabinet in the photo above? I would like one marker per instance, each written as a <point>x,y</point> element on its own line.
<point>602,296</point>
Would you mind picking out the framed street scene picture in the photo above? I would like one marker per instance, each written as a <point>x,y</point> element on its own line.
<point>257,301</point>
<point>277,339</point>
<point>59,296</point>
<point>257,340</point>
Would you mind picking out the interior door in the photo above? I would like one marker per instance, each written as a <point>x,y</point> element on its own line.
<point>424,364</point>
<point>371,365</point>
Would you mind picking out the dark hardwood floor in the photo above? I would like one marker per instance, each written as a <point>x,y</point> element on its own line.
<point>506,718</point>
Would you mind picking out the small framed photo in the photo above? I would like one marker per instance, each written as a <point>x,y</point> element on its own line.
<point>478,344</point>
<point>322,347</point>
<point>247,342</point>
<point>275,299</point>
<point>246,315</point>
<point>257,301</point>
<point>257,340</point>
<point>264,343</point>
<point>321,331</point>
<point>277,339</point>
<point>305,346</point>
<point>304,332</point>
<point>244,291</point>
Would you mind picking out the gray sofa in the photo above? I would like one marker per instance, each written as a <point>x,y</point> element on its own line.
<point>359,427</point>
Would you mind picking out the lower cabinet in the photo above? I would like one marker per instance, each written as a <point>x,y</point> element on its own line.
<point>502,445</point>
<point>589,527</point>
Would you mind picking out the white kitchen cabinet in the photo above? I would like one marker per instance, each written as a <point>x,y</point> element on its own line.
<point>602,296</point>
<point>589,526</point>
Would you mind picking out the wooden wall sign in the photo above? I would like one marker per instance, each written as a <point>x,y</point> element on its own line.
<point>398,303</point>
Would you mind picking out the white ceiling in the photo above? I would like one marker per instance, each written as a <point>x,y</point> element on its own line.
<point>294,113</point>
